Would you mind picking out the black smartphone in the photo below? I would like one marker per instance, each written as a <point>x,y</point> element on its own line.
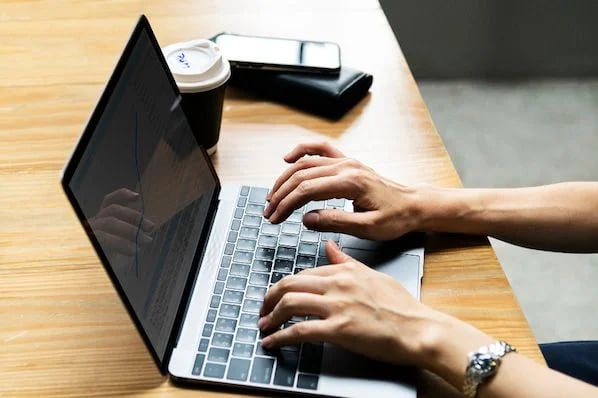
<point>278,54</point>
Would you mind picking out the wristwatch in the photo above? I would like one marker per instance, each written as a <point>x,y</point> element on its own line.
<point>483,364</point>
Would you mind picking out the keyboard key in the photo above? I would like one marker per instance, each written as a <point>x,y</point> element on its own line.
<point>311,358</point>
<point>226,260</point>
<point>310,236</point>
<point>283,265</point>
<point>270,229</point>
<point>238,369</point>
<point>232,296</point>
<point>239,269</point>
<point>232,236</point>
<point>215,301</point>
<point>243,350</point>
<point>296,216</point>
<point>309,382</point>
<point>246,244</point>
<point>288,240</point>
<point>259,279</point>
<point>242,201</point>
<point>268,241</point>
<point>222,340</point>
<point>230,310</point>
<point>222,274</point>
<point>264,253</point>
<point>207,329</point>
<point>310,249</point>
<point>322,261</point>
<point>214,370</point>
<point>291,228</point>
<point>276,276</point>
<point>296,318</point>
<point>262,370</point>
<point>305,261</point>
<point>252,306</point>
<point>315,205</point>
<point>286,367</point>
<point>249,320</point>
<point>229,248</point>
<point>331,236</point>
<point>335,203</point>
<point>256,292</point>
<point>258,195</point>
<point>235,282</point>
<point>286,252</point>
<point>226,325</point>
<point>211,316</point>
<point>238,213</point>
<point>249,232</point>
<point>261,266</point>
<point>243,257</point>
<point>219,287</point>
<point>252,221</point>
<point>254,209</point>
<point>199,359</point>
<point>244,190</point>
<point>246,335</point>
<point>236,224</point>
<point>203,345</point>
<point>297,270</point>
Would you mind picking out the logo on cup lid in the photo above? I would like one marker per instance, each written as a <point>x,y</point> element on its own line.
<point>197,65</point>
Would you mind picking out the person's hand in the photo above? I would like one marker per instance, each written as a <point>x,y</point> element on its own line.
<point>384,210</point>
<point>119,226</point>
<point>359,308</point>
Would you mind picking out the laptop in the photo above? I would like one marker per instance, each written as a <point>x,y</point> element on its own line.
<point>191,259</point>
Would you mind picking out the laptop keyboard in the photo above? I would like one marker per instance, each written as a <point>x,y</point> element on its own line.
<point>258,254</point>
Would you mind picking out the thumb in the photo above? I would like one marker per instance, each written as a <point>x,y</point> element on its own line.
<point>334,253</point>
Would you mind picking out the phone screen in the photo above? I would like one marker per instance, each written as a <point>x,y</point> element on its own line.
<point>279,54</point>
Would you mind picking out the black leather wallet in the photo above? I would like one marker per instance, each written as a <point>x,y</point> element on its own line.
<point>330,96</point>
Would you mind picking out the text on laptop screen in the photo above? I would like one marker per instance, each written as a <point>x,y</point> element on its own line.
<point>145,188</point>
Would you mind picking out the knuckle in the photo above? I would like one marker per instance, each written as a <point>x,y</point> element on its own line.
<point>304,187</point>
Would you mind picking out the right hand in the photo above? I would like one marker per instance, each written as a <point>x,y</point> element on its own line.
<point>384,210</point>
<point>119,226</point>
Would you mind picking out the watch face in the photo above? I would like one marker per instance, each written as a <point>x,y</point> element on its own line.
<point>482,365</point>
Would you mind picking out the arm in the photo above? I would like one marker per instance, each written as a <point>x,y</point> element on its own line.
<point>369,312</point>
<point>561,217</point>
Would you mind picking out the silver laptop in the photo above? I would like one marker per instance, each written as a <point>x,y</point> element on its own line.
<point>192,260</point>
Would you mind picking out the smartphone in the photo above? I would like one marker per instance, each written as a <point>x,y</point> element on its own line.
<point>278,54</point>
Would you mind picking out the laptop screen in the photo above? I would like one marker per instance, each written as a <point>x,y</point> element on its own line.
<point>143,188</point>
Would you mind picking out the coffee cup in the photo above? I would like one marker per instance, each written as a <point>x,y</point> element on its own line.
<point>201,73</point>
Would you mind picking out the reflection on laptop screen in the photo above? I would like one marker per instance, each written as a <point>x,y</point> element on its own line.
<point>144,188</point>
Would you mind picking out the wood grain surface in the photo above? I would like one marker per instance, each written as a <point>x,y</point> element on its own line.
<point>63,330</point>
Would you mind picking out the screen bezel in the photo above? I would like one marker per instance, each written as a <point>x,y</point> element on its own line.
<point>69,170</point>
<point>281,67</point>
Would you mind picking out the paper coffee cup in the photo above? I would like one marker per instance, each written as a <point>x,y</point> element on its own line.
<point>201,73</point>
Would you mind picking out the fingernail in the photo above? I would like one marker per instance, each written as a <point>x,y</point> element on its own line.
<point>311,218</point>
<point>261,322</point>
<point>266,342</point>
<point>267,211</point>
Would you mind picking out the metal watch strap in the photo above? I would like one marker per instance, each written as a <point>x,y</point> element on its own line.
<point>483,364</point>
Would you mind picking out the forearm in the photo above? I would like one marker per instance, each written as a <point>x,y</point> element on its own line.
<point>561,217</point>
<point>448,343</point>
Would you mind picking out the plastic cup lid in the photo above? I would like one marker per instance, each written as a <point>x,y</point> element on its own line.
<point>197,65</point>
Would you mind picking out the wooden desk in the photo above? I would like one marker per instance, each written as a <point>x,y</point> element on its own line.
<point>63,329</point>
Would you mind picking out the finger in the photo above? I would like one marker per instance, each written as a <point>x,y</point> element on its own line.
<point>334,220</point>
<point>335,255</point>
<point>114,243</point>
<point>295,303</point>
<point>128,215</point>
<point>294,180</point>
<point>114,226</point>
<point>122,195</point>
<point>313,148</point>
<point>307,331</point>
<point>317,189</point>
<point>295,283</point>
<point>303,164</point>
